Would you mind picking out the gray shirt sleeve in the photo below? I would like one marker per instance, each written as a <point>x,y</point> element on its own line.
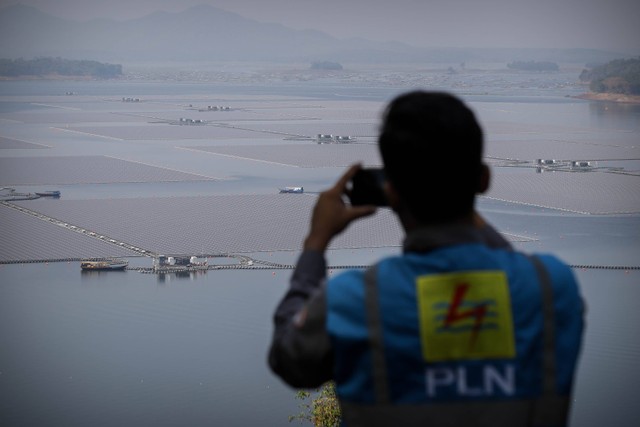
<point>300,350</point>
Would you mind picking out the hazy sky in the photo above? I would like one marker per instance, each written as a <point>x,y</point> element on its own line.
<point>605,24</point>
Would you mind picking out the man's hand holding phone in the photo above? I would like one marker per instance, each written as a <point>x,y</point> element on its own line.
<point>331,215</point>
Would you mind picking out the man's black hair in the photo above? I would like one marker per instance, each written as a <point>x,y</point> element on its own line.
<point>431,146</point>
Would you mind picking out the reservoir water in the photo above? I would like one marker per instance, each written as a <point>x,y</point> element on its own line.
<point>133,349</point>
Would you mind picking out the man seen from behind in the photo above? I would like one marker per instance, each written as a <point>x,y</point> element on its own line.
<point>460,329</point>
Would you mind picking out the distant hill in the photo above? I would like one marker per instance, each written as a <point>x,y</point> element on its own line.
<point>620,76</point>
<point>47,67</point>
<point>206,33</point>
<point>199,33</point>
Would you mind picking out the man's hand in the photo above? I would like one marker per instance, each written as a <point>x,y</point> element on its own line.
<point>331,216</point>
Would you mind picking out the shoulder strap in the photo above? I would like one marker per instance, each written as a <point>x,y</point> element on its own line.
<point>549,328</point>
<point>550,408</point>
<point>372,307</point>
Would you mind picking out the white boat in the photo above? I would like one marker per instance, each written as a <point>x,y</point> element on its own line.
<point>292,190</point>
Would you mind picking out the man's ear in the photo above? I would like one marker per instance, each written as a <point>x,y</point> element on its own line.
<point>484,180</point>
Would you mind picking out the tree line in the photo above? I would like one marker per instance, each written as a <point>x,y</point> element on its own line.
<point>617,76</point>
<point>41,67</point>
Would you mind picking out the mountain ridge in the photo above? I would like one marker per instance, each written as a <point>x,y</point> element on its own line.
<point>207,33</point>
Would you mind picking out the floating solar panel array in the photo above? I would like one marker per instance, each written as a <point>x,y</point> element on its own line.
<point>179,225</point>
<point>69,115</point>
<point>352,111</point>
<point>532,149</point>
<point>213,224</point>
<point>84,170</point>
<point>163,131</point>
<point>209,116</point>
<point>9,143</point>
<point>26,238</point>
<point>304,155</point>
<point>312,129</point>
<point>522,128</point>
<point>252,223</point>
<point>589,193</point>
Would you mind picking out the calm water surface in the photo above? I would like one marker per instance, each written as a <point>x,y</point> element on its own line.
<point>130,349</point>
<point>125,348</point>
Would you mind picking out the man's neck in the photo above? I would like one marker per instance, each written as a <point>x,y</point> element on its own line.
<point>410,223</point>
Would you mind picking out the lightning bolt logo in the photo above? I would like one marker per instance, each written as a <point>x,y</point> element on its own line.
<point>456,314</point>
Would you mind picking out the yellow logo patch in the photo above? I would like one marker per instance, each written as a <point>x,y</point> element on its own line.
<point>465,316</point>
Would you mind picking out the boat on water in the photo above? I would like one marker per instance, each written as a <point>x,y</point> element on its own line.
<point>53,193</point>
<point>107,264</point>
<point>292,190</point>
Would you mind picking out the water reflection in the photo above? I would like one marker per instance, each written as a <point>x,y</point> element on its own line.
<point>87,276</point>
<point>165,278</point>
<point>615,115</point>
<point>94,273</point>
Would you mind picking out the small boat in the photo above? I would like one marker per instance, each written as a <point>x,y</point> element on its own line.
<point>292,190</point>
<point>108,264</point>
<point>53,193</point>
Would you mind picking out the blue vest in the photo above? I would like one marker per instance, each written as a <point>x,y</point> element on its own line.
<point>461,335</point>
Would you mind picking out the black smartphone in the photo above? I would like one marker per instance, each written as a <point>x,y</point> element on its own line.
<point>367,187</point>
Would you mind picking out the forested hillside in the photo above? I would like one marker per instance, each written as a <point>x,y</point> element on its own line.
<point>617,76</point>
<point>41,67</point>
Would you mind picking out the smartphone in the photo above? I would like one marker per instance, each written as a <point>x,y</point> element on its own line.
<point>367,187</point>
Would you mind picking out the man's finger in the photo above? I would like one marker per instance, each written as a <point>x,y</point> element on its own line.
<point>341,185</point>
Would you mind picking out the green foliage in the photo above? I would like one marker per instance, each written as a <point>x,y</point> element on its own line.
<point>617,76</point>
<point>60,66</point>
<point>320,409</point>
<point>533,66</point>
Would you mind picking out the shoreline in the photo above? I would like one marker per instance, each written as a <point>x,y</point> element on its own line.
<point>610,97</point>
